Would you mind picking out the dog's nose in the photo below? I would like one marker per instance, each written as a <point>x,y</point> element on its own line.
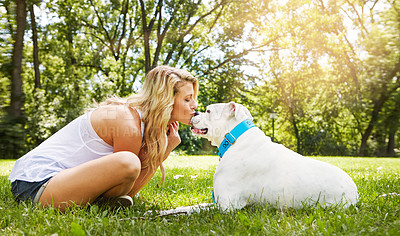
<point>195,119</point>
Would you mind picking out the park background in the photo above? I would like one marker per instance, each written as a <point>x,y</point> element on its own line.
<point>330,70</point>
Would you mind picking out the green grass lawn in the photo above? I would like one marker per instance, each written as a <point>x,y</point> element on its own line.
<point>377,213</point>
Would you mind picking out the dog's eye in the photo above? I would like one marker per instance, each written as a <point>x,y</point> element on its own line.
<point>208,111</point>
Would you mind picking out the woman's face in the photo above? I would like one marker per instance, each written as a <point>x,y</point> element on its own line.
<point>184,104</point>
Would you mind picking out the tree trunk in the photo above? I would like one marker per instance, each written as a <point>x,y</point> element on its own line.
<point>391,143</point>
<point>378,104</point>
<point>146,37</point>
<point>296,132</point>
<point>17,96</point>
<point>296,129</point>
<point>393,124</point>
<point>375,112</point>
<point>35,47</point>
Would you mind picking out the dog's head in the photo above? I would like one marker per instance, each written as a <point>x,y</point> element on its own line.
<point>218,120</point>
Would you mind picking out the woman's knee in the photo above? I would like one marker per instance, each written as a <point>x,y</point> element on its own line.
<point>129,164</point>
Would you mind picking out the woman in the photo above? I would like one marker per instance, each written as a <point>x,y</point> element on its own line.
<point>112,151</point>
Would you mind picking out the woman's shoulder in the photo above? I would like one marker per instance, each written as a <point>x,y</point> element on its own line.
<point>120,113</point>
<point>113,121</point>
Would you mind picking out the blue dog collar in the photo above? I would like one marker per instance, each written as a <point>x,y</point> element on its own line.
<point>230,138</point>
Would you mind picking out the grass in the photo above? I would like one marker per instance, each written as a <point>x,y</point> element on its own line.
<point>377,213</point>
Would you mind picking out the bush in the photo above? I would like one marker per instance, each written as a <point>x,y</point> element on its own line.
<point>12,138</point>
<point>321,143</point>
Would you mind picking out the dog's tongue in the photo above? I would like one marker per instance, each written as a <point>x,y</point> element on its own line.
<point>198,131</point>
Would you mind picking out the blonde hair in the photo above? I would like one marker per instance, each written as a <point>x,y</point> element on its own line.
<point>156,102</point>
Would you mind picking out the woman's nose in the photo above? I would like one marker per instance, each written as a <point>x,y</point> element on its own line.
<point>194,106</point>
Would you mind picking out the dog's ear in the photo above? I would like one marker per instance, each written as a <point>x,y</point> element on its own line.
<point>232,109</point>
<point>247,113</point>
<point>239,111</point>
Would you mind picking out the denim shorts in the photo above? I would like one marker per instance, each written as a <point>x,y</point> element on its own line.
<point>28,191</point>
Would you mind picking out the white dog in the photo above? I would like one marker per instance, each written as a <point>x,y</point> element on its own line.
<point>255,170</point>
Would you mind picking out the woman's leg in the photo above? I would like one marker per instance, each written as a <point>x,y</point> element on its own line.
<point>112,176</point>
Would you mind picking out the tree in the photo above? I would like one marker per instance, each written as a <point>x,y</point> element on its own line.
<point>332,92</point>
<point>17,95</point>
<point>12,121</point>
<point>91,50</point>
<point>35,46</point>
<point>382,64</point>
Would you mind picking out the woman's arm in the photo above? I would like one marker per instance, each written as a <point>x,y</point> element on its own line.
<point>146,174</point>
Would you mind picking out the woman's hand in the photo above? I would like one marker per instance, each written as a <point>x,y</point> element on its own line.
<point>173,136</point>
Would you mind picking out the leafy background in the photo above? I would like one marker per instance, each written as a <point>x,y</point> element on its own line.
<point>330,69</point>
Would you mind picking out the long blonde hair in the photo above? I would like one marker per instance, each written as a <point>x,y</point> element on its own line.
<point>156,102</point>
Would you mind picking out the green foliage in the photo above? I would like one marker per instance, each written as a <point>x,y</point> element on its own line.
<point>377,212</point>
<point>320,142</point>
<point>298,58</point>
<point>12,136</point>
<point>317,79</point>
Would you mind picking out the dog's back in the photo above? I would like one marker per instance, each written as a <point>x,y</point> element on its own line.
<point>255,170</point>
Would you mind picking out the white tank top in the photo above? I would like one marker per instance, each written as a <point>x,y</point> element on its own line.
<point>71,146</point>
